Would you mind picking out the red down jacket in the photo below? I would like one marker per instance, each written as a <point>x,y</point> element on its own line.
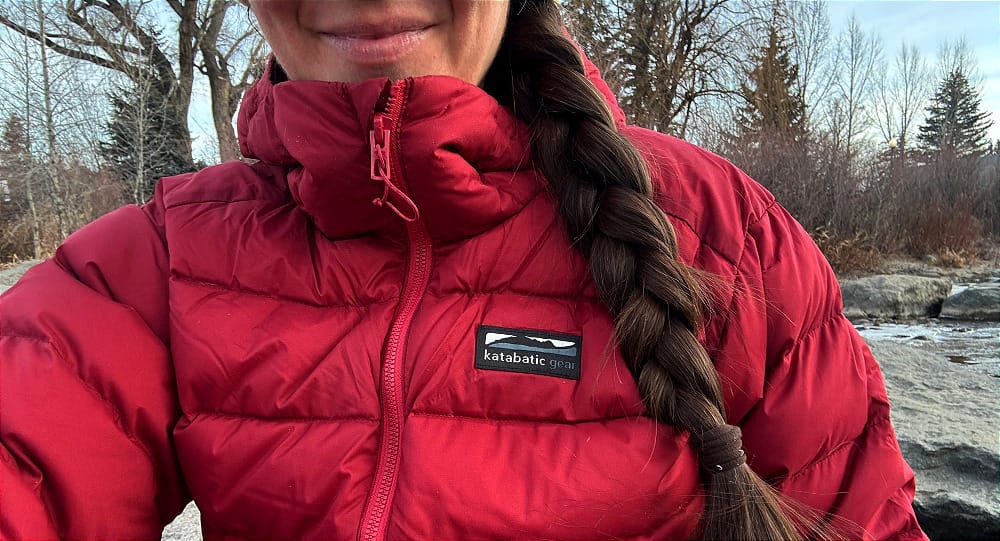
<point>308,365</point>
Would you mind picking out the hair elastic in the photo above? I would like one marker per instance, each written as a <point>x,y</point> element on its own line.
<point>720,448</point>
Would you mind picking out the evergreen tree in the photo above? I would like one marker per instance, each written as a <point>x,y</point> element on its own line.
<point>773,105</point>
<point>142,139</point>
<point>770,140</point>
<point>955,125</point>
<point>14,158</point>
<point>18,171</point>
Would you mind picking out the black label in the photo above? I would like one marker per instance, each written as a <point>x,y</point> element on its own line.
<point>528,352</point>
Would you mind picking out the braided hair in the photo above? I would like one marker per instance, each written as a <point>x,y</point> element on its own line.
<point>605,198</point>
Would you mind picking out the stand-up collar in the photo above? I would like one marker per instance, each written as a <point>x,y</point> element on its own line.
<point>463,159</point>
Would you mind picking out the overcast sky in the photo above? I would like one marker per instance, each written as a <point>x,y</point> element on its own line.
<point>929,23</point>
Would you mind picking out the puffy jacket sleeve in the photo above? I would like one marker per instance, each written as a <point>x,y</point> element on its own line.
<point>817,425</point>
<point>87,393</point>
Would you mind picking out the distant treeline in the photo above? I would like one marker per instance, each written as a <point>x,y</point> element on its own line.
<point>874,150</point>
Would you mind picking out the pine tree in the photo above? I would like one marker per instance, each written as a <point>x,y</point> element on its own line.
<point>143,133</point>
<point>19,234</point>
<point>955,125</point>
<point>770,137</point>
<point>14,156</point>
<point>773,105</point>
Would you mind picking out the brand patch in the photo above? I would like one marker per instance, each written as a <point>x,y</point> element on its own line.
<point>528,352</point>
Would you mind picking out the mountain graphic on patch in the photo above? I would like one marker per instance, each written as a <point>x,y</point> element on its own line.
<point>531,343</point>
<point>528,351</point>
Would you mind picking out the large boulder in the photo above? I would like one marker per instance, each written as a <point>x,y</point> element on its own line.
<point>894,296</point>
<point>947,424</point>
<point>980,302</point>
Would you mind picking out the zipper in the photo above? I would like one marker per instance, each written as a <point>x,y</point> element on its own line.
<point>380,145</point>
<point>385,154</point>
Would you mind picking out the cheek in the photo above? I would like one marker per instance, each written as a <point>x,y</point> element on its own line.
<point>484,31</point>
<point>275,17</point>
<point>492,23</point>
<point>278,22</point>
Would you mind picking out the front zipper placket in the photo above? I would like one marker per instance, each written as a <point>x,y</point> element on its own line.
<point>385,168</point>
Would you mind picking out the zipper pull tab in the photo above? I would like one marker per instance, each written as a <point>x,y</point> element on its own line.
<point>379,140</point>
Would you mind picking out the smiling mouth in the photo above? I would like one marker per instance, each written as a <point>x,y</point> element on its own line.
<point>376,45</point>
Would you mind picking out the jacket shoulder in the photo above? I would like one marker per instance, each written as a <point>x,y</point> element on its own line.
<point>711,202</point>
<point>232,181</point>
<point>120,257</point>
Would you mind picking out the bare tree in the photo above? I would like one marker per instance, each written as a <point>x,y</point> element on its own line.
<point>857,58</point>
<point>141,130</point>
<point>18,175</point>
<point>958,56</point>
<point>22,149</point>
<point>900,92</point>
<point>57,189</point>
<point>121,35</point>
<point>662,56</point>
<point>50,98</point>
<point>224,44</point>
<point>812,51</point>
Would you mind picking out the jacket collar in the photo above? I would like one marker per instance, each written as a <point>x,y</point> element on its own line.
<point>462,158</point>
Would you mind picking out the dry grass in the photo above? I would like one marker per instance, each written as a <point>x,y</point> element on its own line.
<point>955,259</point>
<point>848,256</point>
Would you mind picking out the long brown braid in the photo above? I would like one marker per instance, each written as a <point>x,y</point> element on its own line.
<point>606,200</point>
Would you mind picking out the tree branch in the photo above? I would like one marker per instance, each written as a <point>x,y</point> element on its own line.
<point>65,51</point>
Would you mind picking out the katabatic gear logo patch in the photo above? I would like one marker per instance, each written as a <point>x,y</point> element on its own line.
<point>528,352</point>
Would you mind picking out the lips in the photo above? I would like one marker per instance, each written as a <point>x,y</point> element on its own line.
<point>377,30</point>
<point>375,44</point>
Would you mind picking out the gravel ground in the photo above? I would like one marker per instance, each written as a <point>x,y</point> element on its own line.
<point>10,274</point>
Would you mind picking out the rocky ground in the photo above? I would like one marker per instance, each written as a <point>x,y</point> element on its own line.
<point>11,273</point>
<point>947,415</point>
<point>940,362</point>
<point>947,423</point>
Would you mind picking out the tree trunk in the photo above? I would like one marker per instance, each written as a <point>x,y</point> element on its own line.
<point>220,84</point>
<point>222,111</point>
<point>29,192</point>
<point>55,186</point>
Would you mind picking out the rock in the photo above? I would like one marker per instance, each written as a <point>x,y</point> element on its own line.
<point>947,424</point>
<point>12,274</point>
<point>979,302</point>
<point>186,527</point>
<point>887,296</point>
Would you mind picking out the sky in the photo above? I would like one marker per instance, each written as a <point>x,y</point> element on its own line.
<point>929,23</point>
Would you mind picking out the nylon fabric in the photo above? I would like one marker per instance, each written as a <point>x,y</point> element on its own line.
<point>225,342</point>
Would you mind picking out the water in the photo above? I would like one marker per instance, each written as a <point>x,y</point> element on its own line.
<point>972,344</point>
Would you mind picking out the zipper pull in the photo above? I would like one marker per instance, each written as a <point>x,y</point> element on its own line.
<point>379,140</point>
